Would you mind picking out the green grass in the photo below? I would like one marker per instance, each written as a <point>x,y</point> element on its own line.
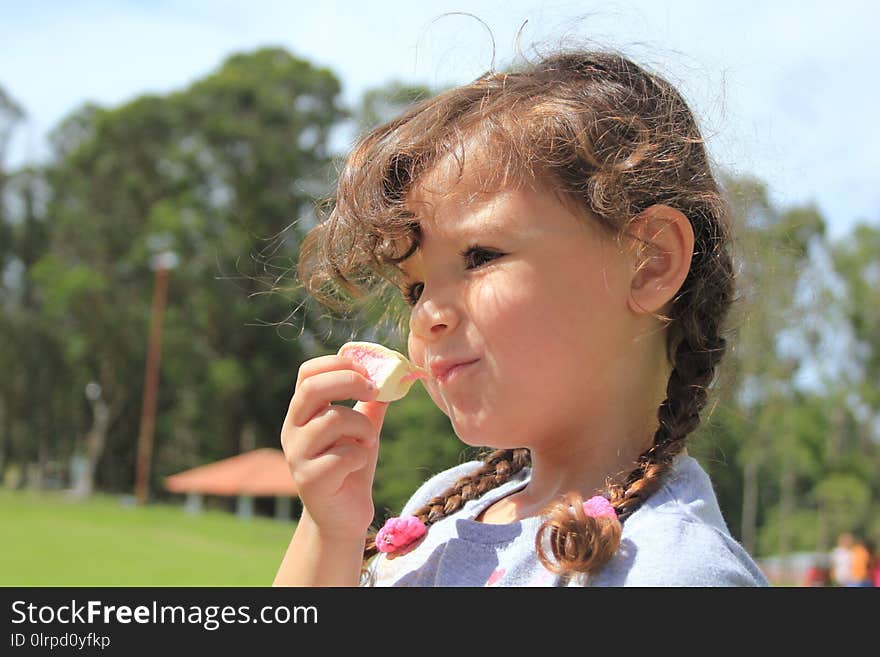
<point>50,540</point>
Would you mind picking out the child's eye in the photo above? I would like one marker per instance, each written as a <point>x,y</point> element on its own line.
<point>412,292</point>
<point>475,256</point>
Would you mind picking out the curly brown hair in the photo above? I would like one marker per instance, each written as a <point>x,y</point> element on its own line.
<point>609,137</point>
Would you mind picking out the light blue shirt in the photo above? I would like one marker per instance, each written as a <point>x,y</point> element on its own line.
<point>678,537</point>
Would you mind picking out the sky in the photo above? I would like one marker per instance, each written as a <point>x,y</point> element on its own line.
<point>785,91</point>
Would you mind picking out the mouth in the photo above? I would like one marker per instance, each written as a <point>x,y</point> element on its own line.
<point>445,372</point>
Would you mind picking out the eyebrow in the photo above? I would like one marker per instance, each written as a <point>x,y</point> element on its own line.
<point>480,230</point>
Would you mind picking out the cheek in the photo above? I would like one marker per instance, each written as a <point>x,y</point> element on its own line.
<point>542,334</point>
<point>414,349</point>
<point>516,328</point>
<point>524,315</point>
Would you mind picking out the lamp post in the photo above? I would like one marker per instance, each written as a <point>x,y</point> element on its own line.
<point>161,264</point>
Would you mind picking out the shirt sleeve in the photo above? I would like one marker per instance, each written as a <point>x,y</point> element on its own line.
<point>677,551</point>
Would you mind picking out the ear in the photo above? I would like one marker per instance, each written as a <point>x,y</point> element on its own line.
<point>664,240</point>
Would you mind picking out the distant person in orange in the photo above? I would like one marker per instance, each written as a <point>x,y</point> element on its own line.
<point>860,564</point>
<point>841,560</point>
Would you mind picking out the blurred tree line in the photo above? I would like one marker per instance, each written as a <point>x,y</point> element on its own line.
<point>227,174</point>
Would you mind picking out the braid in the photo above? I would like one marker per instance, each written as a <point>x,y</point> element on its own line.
<point>498,467</point>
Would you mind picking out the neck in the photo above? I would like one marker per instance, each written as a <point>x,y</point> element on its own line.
<point>588,466</point>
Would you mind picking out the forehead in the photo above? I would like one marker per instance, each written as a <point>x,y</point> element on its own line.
<point>462,192</point>
<point>438,216</point>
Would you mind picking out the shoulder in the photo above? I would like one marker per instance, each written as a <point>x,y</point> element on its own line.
<point>672,550</point>
<point>437,484</point>
<point>679,538</point>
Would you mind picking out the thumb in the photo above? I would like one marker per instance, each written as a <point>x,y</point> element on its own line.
<point>375,412</point>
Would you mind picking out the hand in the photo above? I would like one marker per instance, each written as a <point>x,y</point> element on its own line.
<point>332,449</point>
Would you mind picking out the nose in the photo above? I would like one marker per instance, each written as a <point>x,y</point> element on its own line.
<point>433,317</point>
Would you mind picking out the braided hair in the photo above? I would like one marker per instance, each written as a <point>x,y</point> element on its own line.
<point>611,138</point>
<point>498,467</point>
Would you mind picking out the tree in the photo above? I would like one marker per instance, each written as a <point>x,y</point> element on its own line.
<point>212,172</point>
<point>855,439</point>
<point>856,261</point>
<point>384,103</point>
<point>29,347</point>
<point>756,384</point>
<point>10,115</point>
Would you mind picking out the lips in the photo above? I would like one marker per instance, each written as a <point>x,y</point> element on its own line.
<point>442,369</point>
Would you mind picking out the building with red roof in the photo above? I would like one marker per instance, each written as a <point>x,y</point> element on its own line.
<point>258,473</point>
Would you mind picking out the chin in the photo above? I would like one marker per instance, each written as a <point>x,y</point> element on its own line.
<point>469,435</point>
<point>475,437</point>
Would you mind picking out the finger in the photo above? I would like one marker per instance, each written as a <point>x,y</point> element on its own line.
<point>330,425</point>
<point>333,424</point>
<point>374,411</point>
<point>325,474</point>
<point>317,391</point>
<point>329,363</point>
<point>366,473</point>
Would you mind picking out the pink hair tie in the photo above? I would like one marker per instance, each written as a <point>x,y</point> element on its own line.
<point>397,533</point>
<point>599,507</point>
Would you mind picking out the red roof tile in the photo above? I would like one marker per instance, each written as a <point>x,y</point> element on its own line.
<point>259,473</point>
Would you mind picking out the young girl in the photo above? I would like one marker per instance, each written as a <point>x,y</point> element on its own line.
<point>563,246</point>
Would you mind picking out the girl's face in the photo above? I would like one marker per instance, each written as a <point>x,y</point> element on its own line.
<point>519,312</point>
